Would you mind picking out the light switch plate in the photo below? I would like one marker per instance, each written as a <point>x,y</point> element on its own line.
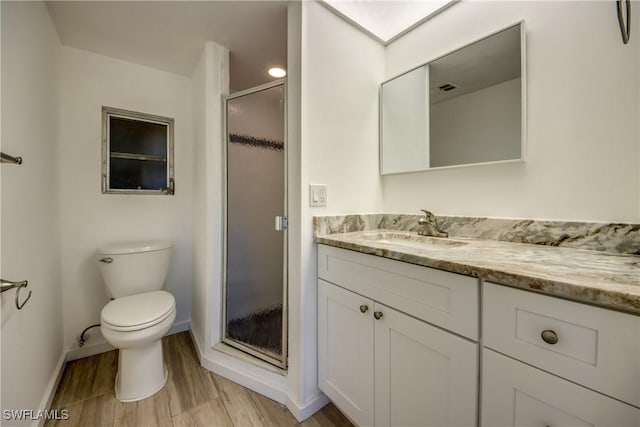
<point>317,195</point>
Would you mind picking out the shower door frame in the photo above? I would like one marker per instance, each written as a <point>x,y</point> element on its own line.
<point>285,236</point>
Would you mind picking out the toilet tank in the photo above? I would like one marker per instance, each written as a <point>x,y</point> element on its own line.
<point>134,267</point>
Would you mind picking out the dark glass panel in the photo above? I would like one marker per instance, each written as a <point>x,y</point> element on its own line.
<point>130,174</point>
<point>137,137</point>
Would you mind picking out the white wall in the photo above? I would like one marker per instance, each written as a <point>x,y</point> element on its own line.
<point>296,376</point>
<point>341,72</point>
<point>480,126</point>
<point>341,69</point>
<point>31,338</point>
<point>209,82</point>
<point>89,218</point>
<point>583,154</point>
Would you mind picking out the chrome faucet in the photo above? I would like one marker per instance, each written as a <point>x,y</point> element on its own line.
<point>429,227</point>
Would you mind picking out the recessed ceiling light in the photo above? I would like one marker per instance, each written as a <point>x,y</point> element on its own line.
<point>277,72</point>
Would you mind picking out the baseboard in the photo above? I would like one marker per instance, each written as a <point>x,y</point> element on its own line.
<point>302,412</point>
<point>179,327</point>
<point>50,391</point>
<point>267,383</point>
<point>89,350</point>
<point>102,346</point>
<point>195,337</point>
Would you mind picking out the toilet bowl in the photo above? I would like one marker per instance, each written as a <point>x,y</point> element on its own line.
<point>135,324</point>
<point>139,315</point>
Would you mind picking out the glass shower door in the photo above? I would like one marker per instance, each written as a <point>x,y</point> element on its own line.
<point>255,279</point>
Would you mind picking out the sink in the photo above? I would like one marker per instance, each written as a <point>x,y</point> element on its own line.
<point>413,241</point>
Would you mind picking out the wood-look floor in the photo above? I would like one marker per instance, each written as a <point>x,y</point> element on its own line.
<point>193,396</point>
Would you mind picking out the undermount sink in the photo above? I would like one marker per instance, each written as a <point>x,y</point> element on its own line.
<point>412,240</point>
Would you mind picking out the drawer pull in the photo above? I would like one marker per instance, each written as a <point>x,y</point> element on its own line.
<point>549,336</point>
<point>364,308</point>
<point>377,315</point>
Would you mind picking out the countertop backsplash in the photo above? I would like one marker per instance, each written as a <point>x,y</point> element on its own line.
<point>612,238</point>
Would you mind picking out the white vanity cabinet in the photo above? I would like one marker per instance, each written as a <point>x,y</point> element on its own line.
<point>551,362</point>
<point>381,359</point>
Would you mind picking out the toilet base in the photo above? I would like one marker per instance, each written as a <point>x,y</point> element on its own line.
<point>141,372</point>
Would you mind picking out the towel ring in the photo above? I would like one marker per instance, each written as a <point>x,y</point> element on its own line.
<point>18,305</point>
<point>7,285</point>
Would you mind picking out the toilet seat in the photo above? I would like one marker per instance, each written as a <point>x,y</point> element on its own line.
<point>136,312</point>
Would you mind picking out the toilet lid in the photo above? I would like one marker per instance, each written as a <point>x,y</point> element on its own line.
<point>138,311</point>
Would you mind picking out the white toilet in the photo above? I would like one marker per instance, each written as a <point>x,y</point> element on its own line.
<point>139,315</point>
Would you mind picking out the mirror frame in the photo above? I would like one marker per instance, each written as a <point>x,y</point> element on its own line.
<point>523,101</point>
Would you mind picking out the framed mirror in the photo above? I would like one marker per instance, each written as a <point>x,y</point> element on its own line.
<point>464,108</point>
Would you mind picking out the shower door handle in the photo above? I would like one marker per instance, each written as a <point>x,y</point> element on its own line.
<point>281,223</point>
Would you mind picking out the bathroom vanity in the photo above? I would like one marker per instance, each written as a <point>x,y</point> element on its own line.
<point>446,332</point>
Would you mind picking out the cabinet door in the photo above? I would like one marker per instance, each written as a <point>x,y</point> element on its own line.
<point>345,351</point>
<point>515,394</point>
<point>424,376</point>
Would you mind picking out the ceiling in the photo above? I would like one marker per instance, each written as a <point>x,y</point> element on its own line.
<point>170,35</point>
<point>386,20</point>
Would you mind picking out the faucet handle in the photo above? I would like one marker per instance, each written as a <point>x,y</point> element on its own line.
<point>428,214</point>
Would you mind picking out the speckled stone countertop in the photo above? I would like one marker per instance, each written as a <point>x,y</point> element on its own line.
<point>594,277</point>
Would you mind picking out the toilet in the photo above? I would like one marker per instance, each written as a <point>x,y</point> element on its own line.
<point>139,314</point>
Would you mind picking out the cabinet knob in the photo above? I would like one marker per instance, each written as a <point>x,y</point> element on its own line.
<point>364,308</point>
<point>549,336</point>
<point>377,315</point>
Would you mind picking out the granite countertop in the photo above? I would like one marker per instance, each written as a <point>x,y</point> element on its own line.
<point>594,277</point>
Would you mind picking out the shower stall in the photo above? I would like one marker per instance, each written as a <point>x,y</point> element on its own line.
<point>255,279</point>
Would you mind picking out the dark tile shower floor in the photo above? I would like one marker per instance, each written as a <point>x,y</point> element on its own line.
<point>262,330</point>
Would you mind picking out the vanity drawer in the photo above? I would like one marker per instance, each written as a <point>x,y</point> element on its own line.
<point>515,394</point>
<point>595,347</point>
<point>444,299</point>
